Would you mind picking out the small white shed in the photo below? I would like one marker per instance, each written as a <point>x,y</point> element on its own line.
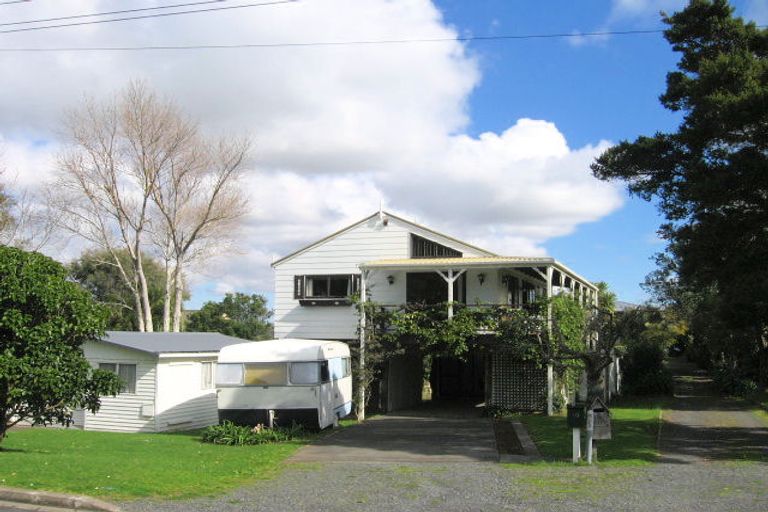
<point>168,381</point>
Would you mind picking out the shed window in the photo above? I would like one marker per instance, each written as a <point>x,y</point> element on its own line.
<point>229,374</point>
<point>126,374</point>
<point>206,379</point>
<point>266,374</point>
<point>305,373</point>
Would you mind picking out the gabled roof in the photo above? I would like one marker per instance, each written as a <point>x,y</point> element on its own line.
<point>171,342</point>
<point>366,219</point>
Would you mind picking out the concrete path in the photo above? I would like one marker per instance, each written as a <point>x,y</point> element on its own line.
<point>699,425</point>
<point>410,436</point>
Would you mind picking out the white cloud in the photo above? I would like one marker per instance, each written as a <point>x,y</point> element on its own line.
<point>336,129</point>
<point>643,10</point>
<point>643,14</point>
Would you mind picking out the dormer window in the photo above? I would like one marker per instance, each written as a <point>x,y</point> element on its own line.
<point>423,248</point>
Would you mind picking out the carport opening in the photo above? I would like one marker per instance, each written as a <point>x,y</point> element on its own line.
<point>439,385</point>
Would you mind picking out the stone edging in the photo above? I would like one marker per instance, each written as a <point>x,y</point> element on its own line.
<point>52,499</point>
<point>530,451</point>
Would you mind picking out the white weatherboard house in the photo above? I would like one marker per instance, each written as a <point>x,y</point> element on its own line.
<point>394,261</point>
<point>168,381</point>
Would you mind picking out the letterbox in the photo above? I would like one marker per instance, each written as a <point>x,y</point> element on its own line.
<point>602,419</point>
<point>577,415</point>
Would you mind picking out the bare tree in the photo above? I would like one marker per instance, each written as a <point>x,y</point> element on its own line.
<point>23,220</point>
<point>199,202</point>
<point>108,174</point>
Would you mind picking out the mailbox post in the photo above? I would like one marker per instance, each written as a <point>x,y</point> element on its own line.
<point>598,426</point>
<point>577,420</point>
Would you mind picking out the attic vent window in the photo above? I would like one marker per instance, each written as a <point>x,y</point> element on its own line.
<point>325,290</point>
<point>423,248</point>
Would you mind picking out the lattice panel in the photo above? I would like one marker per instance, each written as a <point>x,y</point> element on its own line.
<point>517,385</point>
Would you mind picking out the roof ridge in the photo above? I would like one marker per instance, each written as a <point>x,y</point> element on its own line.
<point>376,214</point>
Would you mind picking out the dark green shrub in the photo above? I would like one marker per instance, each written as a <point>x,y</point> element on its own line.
<point>644,371</point>
<point>732,382</point>
<point>227,433</point>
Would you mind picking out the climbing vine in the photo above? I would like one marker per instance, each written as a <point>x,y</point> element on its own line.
<point>570,342</point>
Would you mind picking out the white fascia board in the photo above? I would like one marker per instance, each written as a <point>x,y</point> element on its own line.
<point>188,355</point>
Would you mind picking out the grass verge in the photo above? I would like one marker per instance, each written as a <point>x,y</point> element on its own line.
<point>635,428</point>
<point>124,466</point>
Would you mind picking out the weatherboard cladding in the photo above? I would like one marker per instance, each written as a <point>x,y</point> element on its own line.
<point>169,394</point>
<point>342,253</point>
<point>122,413</point>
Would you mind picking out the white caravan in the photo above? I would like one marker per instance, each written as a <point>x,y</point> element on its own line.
<point>307,381</point>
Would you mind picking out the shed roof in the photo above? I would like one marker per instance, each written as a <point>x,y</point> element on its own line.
<point>171,342</point>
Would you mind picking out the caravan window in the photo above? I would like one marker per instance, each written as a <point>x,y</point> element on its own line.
<point>339,367</point>
<point>266,374</point>
<point>305,373</point>
<point>336,368</point>
<point>229,374</point>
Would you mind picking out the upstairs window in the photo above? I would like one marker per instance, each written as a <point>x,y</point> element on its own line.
<point>423,248</point>
<point>327,289</point>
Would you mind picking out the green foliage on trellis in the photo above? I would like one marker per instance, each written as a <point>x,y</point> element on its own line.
<point>570,343</point>
<point>434,332</point>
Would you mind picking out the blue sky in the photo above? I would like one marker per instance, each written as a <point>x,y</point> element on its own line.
<point>600,90</point>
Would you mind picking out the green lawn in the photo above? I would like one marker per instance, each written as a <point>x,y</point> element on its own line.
<point>635,428</point>
<point>121,466</point>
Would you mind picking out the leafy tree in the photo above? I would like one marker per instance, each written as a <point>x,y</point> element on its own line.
<point>98,274</point>
<point>605,297</point>
<point>238,314</point>
<point>710,176</point>
<point>44,320</point>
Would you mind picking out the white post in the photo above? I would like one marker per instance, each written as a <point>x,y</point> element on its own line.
<point>550,390</point>
<point>450,279</point>
<point>550,371</point>
<point>548,295</point>
<point>590,430</point>
<point>361,362</point>
<point>576,445</point>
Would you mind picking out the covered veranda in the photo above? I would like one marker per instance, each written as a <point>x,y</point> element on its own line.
<point>477,282</point>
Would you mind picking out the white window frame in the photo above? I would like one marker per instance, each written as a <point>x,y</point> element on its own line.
<point>207,378</point>
<point>117,372</point>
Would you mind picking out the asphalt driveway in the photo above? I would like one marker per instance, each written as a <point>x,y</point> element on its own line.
<point>420,435</point>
